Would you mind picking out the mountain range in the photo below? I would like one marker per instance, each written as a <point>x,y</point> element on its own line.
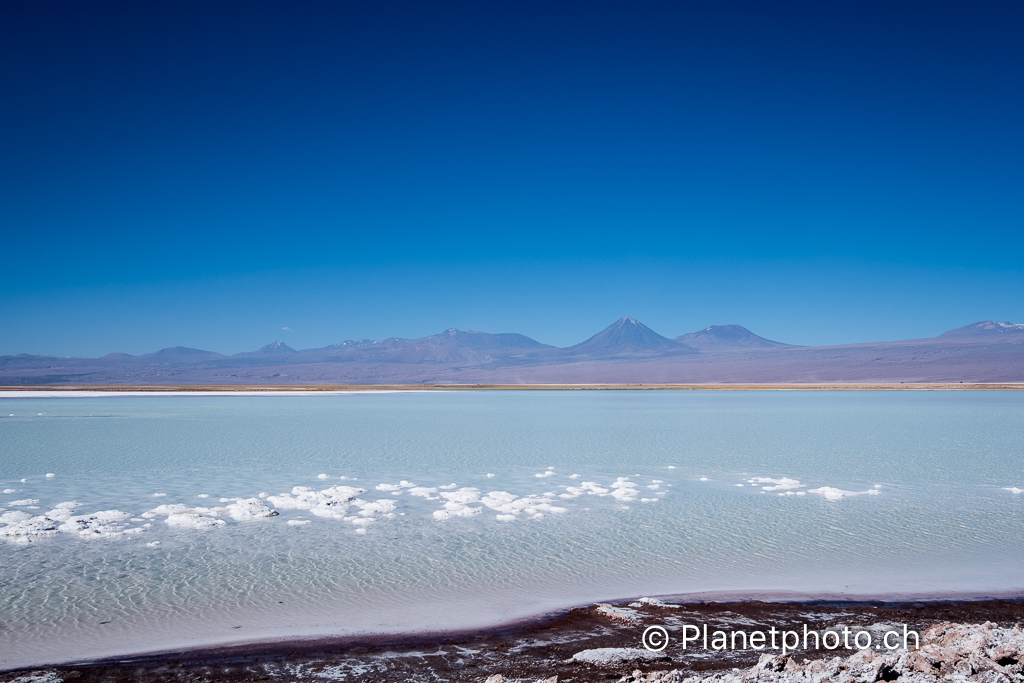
<point>627,351</point>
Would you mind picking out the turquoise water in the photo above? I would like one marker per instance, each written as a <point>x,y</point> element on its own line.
<point>872,493</point>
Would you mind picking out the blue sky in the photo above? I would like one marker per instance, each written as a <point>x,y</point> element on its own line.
<point>209,174</point>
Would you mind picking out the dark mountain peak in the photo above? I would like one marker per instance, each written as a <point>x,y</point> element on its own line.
<point>722,337</point>
<point>275,349</point>
<point>986,328</point>
<point>628,336</point>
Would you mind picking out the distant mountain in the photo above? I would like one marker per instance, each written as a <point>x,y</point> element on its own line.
<point>986,328</point>
<point>627,337</point>
<point>278,348</point>
<point>481,340</point>
<point>725,337</point>
<point>626,352</point>
<point>181,354</point>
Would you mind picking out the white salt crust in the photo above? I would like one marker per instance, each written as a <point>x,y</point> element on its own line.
<point>829,493</point>
<point>343,503</point>
<point>604,656</point>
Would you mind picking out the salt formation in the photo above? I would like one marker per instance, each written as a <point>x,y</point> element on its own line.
<point>829,493</point>
<point>613,655</point>
<point>458,503</point>
<point>33,526</point>
<point>625,490</point>
<point>193,520</point>
<point>331,502</point>
<point>949,652</point>
<point>103,524</point>
<point>62,512</point>
<point>510,507</point>
<point>250,508</point>
<point>654,602</point>
<point>14,516</point>
<point>782,484</point>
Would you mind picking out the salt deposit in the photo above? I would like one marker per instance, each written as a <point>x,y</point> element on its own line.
<point>604,656</point>
<point>34,526</point>
<point>298,522</point>
<point>1013,489</point>
<point>948,652</point>
<point>330,502</point>
<point>103,524</point>
<point>378,507</point>
<point>27,501</point>
<point>509,506</point>
<point>360,521</point>
<point>654,602</point>
<point>830,493</point>
<point>250,508</point>
<point>191,520</point>
<point>14,516</point>
<point>625,490</point>
<point>50,475</point>
<point>62,512</point>
<point>781,484</point>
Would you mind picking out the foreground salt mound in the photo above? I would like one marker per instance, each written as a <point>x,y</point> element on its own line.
<point>33,526</point>
<point>949,652</point>
<point>102,524</point>
<point>250,508</point>
<point>14,516</point>
<point>193,520</point>
<point>331,502</point>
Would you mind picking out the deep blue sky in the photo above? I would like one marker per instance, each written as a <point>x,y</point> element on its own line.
<point>207,174</point>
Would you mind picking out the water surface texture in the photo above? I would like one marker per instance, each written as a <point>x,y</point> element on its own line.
<point>497,505</point>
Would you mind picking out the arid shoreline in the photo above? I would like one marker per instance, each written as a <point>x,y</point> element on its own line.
<point>235,388</point>
<point>534,650</point>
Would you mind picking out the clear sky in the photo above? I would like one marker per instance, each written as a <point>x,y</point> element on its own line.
<point>221,175</point>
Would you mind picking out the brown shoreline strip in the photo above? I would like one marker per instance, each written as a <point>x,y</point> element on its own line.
<point>829,386</point>
<point>530,651</point>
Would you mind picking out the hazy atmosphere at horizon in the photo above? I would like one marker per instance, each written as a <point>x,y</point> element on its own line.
<point>223,175</point>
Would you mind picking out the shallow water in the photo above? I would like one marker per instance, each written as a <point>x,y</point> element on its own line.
<point>931,512</point>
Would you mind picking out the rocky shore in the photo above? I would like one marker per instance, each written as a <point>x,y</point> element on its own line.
<point>959,641</point>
